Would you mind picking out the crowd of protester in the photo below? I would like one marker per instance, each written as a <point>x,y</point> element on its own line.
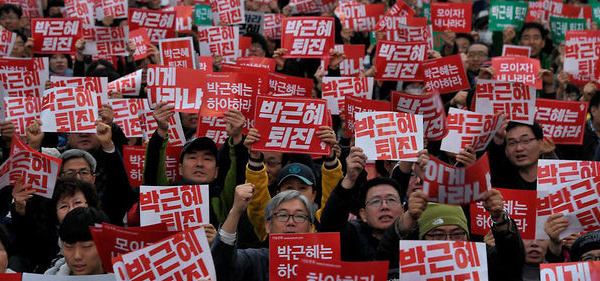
<point>254,194</point>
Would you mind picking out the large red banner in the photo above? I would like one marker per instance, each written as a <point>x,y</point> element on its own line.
<point>400,61</point>
<point>430,106</point>
<point>158,24</point>
<point>447,184</point>
<point>307,37</point>
<point>562,121</point>
<point>52,36</point>
<point>570,271</point>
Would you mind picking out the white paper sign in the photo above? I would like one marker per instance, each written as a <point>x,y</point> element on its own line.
<point>467,128</point>
<point>179,207</point>
<point>336,88</point>
<point>128,85</point>
<point>69,110</point>
<point>514,99</point>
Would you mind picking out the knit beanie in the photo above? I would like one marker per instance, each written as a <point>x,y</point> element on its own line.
<point>441,215</point>
<point>587,242</point>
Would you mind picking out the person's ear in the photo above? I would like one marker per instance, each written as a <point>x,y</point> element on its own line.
<point>268,226</point>
<point>363,214</point>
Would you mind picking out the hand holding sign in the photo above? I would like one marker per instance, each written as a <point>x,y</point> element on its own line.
<point>494,204</point>
<point>20,193</point>
<point>7,130</point>
<point>252,137</point>
<point>162,112</point>
<point>279,59</point>
<point>234,124</point>
<point>34,134</point>
<point>327,135</point>
<point>355,164</point>
<point>417,203</point>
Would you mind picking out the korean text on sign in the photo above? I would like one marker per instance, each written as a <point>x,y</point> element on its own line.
<point>69,110</point>
<point>514,99</point>
<point>445,75</point>
<point>225,91</point>
<point>158,24</point>
<point>443,260</point>
<point>53,36</point>
<point>98,85</point>
<point>181,87</point>
<point>134,158</point>
<point>429,106</point>
<point>227,12</point>
<point>468,128</point>
<point>179,207</point>
<point>149,126</point>
<point>457,185</point>
<point>290,125</point>
<point>177,52</point>
<point>286,251</point>
<point>106,41</point>
<point>355,105</point>
<point>307,37</point>
<point>336,89</point>
<point>281,85</point>
<point>400,61</point>
<point>128,85</point>
<point>570,271</point>
<point>389,135</point>
<point>517,69</point>
<point>185,255</point>
<point>581,55</point>
<point>311,270</point>
<point>221,40</point>
<point>563,121</point>
<point>126,115</point>
<point>455,17</point>
<point>21,111</point>
<point>212,127</point>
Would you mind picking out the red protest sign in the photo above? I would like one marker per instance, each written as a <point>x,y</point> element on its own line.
<point>314,270</point>
<point>355,57</point>
<point>447,184</point>
<point>178,52</point>
<point>290,124</point>
<point>455,17</point>
<point>141,40</point>
<point>307,37</point>
<point>227,12</point>
<point>184,18</point>
<point>53,36</point>
<point>221,40</point>
<point>112,241</point>
<point>245,45</point>
<point>98,85</point>
<point>158,24</point>
<point>128,85</point>
<point>106,41</point>
<point>389,135</point>
<point>184,254</point>
<point>134,159</point>
<point>517,204</point>
<point>581,55</point>
<point>179,207</point>
<point>537,12</point>
<point>359,17</point>
<point>182,87</point>
<point>516,51</point>
<point>258,62</point>
<point>563,121</point>
<point>468,128</point>
<point>272,26</point>
<point>514,99</point>
<point>69,110</point>
<point>205,64</point>
<point>336,89</point>
<point>225,91</point>
<point>400,61</point>
<point>7,41</point>
<point>413,31</point>
<point>285,250</point>
<point>442,260</point>
<point>21,111</point>
<point>8,64</point>
<point>305,6</point>
<point>23,77</point>
<point>113,8</point>
<point>517,69</point>
<point>281,85</point>
<point>355,105</point>
<point>430,106</point>
<point>126,113</point>
<point>212,127</point>
<point>399,10</point>
<point>11,276</point>
<point>589,270</point>
<point>149,126</point>
<point>32,167</point>
<point>445,75</point>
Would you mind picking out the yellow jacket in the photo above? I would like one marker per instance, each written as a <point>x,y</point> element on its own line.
<point>329,180</point>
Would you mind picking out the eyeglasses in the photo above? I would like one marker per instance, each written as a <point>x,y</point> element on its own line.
<point>68,206</point>
<point>590,258</point>
<point>514,143</point>
<point>454,236</point>
<point>477,55</point>
<point>298,218</point>
<point>83,173</point>
<point>391,202</point>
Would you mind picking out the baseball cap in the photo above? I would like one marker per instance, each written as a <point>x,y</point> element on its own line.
<point>199,144</point>
<point>297,170</point>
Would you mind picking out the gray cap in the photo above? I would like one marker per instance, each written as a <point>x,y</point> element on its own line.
<point>78,153</point>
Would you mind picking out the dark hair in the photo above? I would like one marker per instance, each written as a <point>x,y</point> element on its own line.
<point>21,35</point>
<point>94,65</point>
<point>76,225</point>
<point>257,38</point>
<point>374,182</point>
<point>530,25</point>
<point>594,101</point>
<point>104,72</point>
<point>70,186</point>
<point>466,36</point>
<point>537,130</point>
<point>67,56</point>
<point>7,8</point>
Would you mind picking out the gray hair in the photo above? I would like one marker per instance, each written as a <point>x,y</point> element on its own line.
<point>78,153</point>
<point>286,196</point>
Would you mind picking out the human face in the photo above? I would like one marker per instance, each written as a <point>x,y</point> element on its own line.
<point>532,37</point>
<point>522,148</point>
<point>447,233</point>
<point>189,120</point>
<point>593,255</point>
<point>18,50</point>
<point>83,258</point>
<point>78,165</point>
<point>68,203</point>
<point>476,55</point>
<point>10,21</point>
<point>58,63</point>
<point>84,141</point>
<point>294,183</point>
<point>291,207</point>
<point>256,50</point>
<point>535,250</point>
<point>55,11</point>
<point>462,44</point>
<point>381,217</point>
<point>273,165</point>
<point>199,166</point>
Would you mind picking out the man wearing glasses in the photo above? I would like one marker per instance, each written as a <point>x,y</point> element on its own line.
<point>287,212</point>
